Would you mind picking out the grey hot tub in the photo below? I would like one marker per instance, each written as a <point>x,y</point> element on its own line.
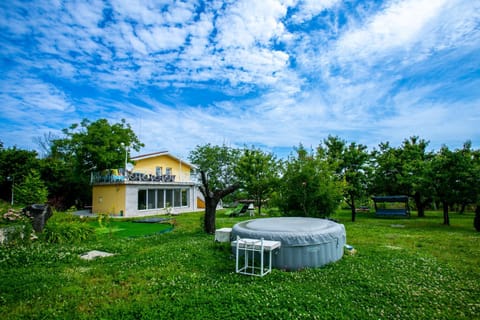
<point>306,242</point>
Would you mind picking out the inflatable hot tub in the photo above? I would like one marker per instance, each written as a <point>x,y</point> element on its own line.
<point>306,242</point>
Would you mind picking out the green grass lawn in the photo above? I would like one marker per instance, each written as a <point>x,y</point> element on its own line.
<point>129,228</point>
<point>403,269</point>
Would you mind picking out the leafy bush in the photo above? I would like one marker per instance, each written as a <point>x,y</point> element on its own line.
<point>31,190</point>
<point>68,232</point>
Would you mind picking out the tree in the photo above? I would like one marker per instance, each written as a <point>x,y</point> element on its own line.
<point>468,170</point>
<point>90,146</point>
<point>445,179</point>
<point>32,190</point>
<point>15,164</point>
<point>59,177</point>
<point>218,179</point>
<point>97,145</point>
<point>413,177</point>
<point>351,166</point>
<point>45,143</point>
<point>404,171</point>
<point>308,187</point>
<point>257,172</point>
<point>386,170</point>
<point>476,220</point>
<point>455,177</point>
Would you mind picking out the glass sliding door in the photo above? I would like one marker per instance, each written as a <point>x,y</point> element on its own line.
<point>169,198</point>
<point>151,198</point>
<point>160,198</point>
<point>185,197</point>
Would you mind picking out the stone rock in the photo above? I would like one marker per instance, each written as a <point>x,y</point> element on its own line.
<point>39,213</point>
<point>95,254</point>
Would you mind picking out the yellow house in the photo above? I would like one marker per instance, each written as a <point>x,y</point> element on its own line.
<point>158,183</point>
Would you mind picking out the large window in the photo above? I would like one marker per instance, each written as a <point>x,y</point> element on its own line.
<point>162,198</point>
<point>142,199</point>
<point>185,197</point>
<point>168,197</point>
<point>151,198</point>
<point>177,198</point>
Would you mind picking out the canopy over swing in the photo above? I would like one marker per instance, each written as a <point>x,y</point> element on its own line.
<point>391,205</point>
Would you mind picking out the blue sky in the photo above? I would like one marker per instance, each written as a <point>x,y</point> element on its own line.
<point>268,73</point>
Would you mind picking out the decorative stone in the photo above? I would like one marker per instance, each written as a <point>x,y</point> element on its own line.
<point>39,213</point>
<point>95,254</point>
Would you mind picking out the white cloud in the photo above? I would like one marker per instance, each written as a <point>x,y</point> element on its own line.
<point>162,38</point>
<point>307,9</point>
<point>360,70</point>
<point>406,32</point>
<point>248,23</point>
<point>33,95</point>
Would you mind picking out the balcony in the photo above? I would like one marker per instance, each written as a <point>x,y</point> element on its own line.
<point>137,176</point>
<point>118,176</point>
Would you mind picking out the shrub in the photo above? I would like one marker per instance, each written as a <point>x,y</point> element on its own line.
<point>68,231</point>
<point>31,190</point>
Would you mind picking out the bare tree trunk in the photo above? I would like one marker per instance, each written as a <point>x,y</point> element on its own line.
<point>210,210</point>
<point>462,208</point>
<point>354,211</point>
<point>211,200</point>
<point>446,218</point>
<point>476,220</point>
<point>419,204</point>
<point>259,204</point>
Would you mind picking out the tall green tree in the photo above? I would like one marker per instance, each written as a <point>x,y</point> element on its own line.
<point>308,186</point>
<point>218,178</point>
<point>414,172</point>
<point>404,171</point>
<point>455,176</point>
<point>468,175</point>
<point>386,171</point>
<point>97,145</point>
<point>444,179</point>
<point>93,146</point>
<point>59,176</point>
<point>258,173</point>
<point>351,164</point>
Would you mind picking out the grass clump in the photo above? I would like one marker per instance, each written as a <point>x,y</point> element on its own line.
<point>67,228</point>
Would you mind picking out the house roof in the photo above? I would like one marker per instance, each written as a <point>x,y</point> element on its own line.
<point>160,153</point>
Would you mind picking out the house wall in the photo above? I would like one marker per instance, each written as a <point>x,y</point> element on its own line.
<point>132,200</point>
<point>180,169</point>
<point>108,199</point>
